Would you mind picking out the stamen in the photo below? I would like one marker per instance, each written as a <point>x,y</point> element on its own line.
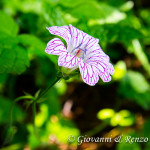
<point>78,51</point>
<point>78,54</point>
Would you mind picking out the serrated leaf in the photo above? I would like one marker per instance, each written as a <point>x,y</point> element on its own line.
<point>14,58</point>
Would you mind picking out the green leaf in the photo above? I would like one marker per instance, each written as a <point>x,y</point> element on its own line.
<point>53,16</point>
<point>18,113</point>
<point>21,60</point>
<point>138,82</point>
<point>35,46</point>
<point>94,10</point>
<point>115,33</point>
<point>3,78</point>
<point>117,3</point>
<point>127,6</point>
<point>146,133</point>
<point>126,145</point>
<point>105,113</point>
<point>74,3</point>
<point>14,58</point>
<point>13,147</point>
<point>62,128</point>
<point>31,41</point>
<point>8,25</point>
<point>122,118</point>
<point>135,88</point>
<point>140,54</point>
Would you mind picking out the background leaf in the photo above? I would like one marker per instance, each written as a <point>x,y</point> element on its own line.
<point>8,25</point>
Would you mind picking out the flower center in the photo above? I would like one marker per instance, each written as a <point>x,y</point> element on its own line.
<point>79,52</point>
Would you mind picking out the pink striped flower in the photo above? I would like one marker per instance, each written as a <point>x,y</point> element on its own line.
<point>82,51</point>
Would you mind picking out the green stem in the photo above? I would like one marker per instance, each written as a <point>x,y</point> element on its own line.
<point>34,106</point>
<point>13,104</point>
<point>9,133</point>
<point>8,138</point>
<point>46,90</point>
<point>34,125</point>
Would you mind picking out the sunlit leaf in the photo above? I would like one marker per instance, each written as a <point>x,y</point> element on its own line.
<point>115,33</point>
<point>105,113</point>
<point>70,3</point>
<point>42,116</point>
<point>138,82</point>
<point>61,86</point>
<point>62,129</point>
<point>120,70</point>
<point>127,6</point>
<point>135,88</point>
<point>100,11</point>
<point>140,54</point>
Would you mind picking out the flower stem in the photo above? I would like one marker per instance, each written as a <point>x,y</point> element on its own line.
<point>9,137</point>
<point>34,106</point>
<point>10,130</point>
<point>13,104</point>
<point>47,89</point>
<point>34,125</point>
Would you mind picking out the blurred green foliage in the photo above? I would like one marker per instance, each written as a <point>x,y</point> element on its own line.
<point>122,118</point>
<point>123,28</point>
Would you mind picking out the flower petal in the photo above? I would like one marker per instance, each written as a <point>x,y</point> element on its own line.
<point>104,70</point>
<point>89,73</point>
<point>62,31</point>
<point>96,53</point>
<point>96,57</point>
<point>55,47</point>
<point>68,60</point>
<point>81,39</point>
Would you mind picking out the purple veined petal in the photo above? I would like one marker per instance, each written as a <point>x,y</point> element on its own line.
<point>98,58</point>
<point>92,43</point>
<point>67,60</point>
<point>93,62</point>
<point>62,31</point>
<point>89,73</point>
<point>76,36</point>
<point>105,77</point>
<point>111,69</point>
<point>81,39</point>
<point>96,49</point>
<point>55,47</point>
<point>104,70</point>
<point>95,53</point>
